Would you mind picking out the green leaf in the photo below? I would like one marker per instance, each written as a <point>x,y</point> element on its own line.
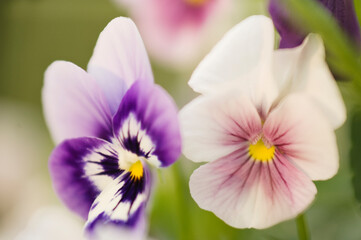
<point>358,9</point>
<point>355,154</point>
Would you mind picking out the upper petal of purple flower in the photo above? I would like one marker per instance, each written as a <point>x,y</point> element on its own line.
<point>147,124</point>
<point>74,106</point>
<point>119,59</point>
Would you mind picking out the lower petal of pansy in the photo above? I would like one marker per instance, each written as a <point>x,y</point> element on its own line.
<point>114,231</point>
<point>247,193</point>
<point>122,202</point>
<point>214,126</point>
<point>80,169</point>
<point>146,124</point>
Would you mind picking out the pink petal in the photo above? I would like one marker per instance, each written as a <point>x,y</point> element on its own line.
<point>300,130</point>
<point>119,59</point>
<point>74,106</point>
<point>214,126</point>
<point>251,194</point>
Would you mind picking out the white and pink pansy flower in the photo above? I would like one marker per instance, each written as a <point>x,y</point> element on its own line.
<point>264,123</point>
<point>111,123</point>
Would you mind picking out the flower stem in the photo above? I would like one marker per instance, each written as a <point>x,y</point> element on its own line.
<point>182,191</point>
<point>303,233</point>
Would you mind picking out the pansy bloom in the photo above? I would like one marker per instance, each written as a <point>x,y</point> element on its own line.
<point>264,123</point>
<point>112,122</point>
<point>292,35</point>
<point>175,31</point>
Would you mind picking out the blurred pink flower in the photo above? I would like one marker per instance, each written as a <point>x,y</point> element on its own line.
<point>175,31</point>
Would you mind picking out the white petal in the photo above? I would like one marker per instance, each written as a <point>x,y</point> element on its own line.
<point>214,126</point>
<point>119,59</point>
<point>74,106</point>
<point>301,132</point>
<point>303,69</point>
<point>251,194</point>
<point>243,57</point>
<point>122,202</point>
<point>113,231</point>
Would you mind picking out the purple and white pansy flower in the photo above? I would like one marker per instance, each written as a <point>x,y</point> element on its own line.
<point>111,123</point>
<point>264,124</point>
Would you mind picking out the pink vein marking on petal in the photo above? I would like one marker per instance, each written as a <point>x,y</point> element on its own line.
<point>279,158</point>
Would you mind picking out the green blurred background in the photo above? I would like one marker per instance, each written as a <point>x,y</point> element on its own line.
<point>33,34</point>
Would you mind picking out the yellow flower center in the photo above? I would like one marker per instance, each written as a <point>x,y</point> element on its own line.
<point>260,152</point>
<point>196,3</point>
<point>136,170</point>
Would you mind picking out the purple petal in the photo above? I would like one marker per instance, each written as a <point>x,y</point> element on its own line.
<point>147,124</point>
<point>74,106</point>
<point>119,59</point>
<point>344,12</point>
<point>122,203</point>
<point>80,169</point>
<point>292,34</point>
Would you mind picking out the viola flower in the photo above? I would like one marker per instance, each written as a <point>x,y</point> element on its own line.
<point>264,125</point>
<point>112,122</point>
<point>175,31</point>
<point>292,35</point>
